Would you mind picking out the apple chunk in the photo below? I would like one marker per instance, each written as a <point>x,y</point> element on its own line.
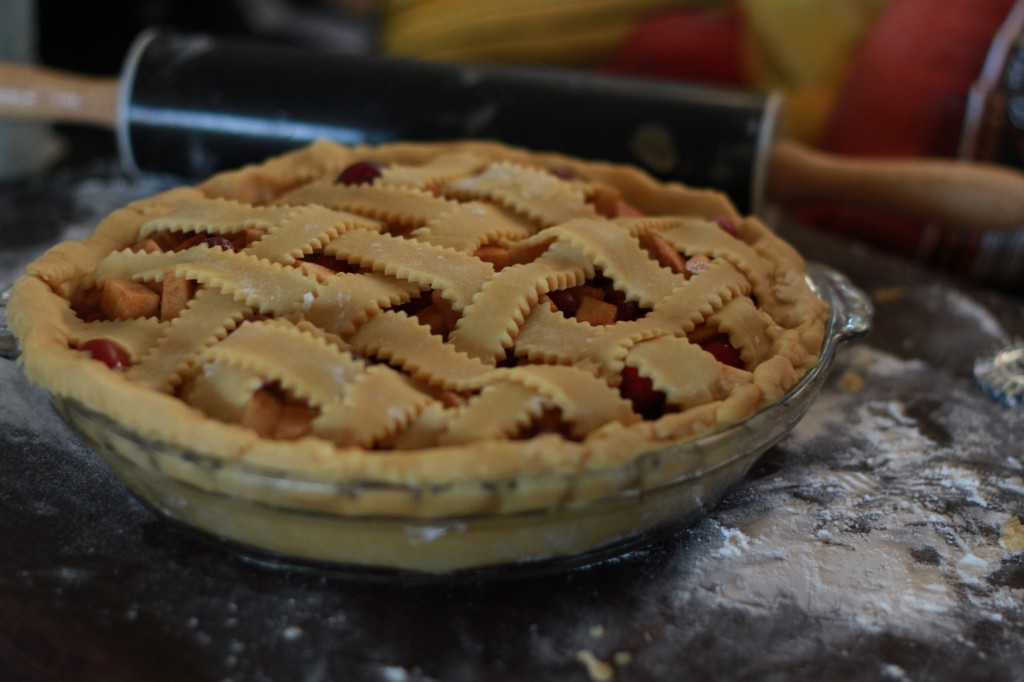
<point>124,299</point>
<point>177,292</point>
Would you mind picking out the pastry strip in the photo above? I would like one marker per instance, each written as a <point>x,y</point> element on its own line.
<point>586,402</point>
<point>347,300</point>
<point>750,331</point>
<point>676,314</point>
<point>489,325</point>
<point>136,337</point>
<point>223,390</point>
<point>403,342</point>
<point>701,237</point>
<point>469,225</point>
<point>307,367</point>
<point>499,411</point>
<point>549,336</point>
<point>457,275</point>
<point>216,216</point>
<point>392,205</point>
<point>304,231</point>
<point>237,274</point>
<point>205,321</point>
<point>687,375</point>
<point>377,406</point>
<point>621,258</point>
<point>537,194</point>
<point>441,169</point>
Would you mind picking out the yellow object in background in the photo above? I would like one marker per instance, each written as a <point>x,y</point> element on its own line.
<point>577,33</point>
<point>800,47</point>
<point>804,47</point>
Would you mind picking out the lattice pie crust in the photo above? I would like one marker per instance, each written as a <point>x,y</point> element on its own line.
<point>460,312</point>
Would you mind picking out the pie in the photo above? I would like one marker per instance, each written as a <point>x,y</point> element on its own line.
<point>456,318</point>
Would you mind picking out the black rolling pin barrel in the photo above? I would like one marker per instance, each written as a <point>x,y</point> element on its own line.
<point>195,105</point>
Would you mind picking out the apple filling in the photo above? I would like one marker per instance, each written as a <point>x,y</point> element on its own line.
<point>595,302</point>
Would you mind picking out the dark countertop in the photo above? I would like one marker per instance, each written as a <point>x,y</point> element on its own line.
<point>872,544</point>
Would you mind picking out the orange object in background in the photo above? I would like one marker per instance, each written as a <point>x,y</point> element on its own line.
<point>906,93</point>
<point>870,78</point>
<point>699,46</point>
<point>893,82</point>
<point>801,48</point>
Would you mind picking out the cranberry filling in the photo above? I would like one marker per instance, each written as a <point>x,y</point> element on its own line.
<point>107,352</point>
<point>639,390</point>
<point>400,229</point>
<point>549,421</point>
<point>728,226</point>
<point>330,263</point>
<point>606,304</point>
<point>432,310</point>
<point>625,310</point>
<point>628,311</point>
<point>415,305</point>
<point>565,300</point>
<point>360,173</point>
<point>724,352</point>
<point>218,242</point>
<point>563,172</point>
<point>510,359</point>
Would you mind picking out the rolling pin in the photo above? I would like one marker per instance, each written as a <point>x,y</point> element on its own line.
<point>193,105</point>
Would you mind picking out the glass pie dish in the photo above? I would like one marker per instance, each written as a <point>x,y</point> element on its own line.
<point>301,520</point>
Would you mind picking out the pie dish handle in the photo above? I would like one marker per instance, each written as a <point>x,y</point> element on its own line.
<point>852,310</point>
<point>9,349</point>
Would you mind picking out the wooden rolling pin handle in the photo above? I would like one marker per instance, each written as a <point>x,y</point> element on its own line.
<point>33,93</point>
<point>953,193</point>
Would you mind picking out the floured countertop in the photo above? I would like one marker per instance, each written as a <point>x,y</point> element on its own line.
<point>882,540</point>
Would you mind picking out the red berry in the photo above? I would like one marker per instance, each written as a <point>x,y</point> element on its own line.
<point>628,311</point>
<point>107,352</point>
<point>565,301</point>
<point>613,295</point>
<point>723,351</point>
<point>728,225</point>
<point>330,263</point>
<point>563,172</point>
<point>415,305</point>
<point>218,242</point>
<point>360,173</point>
<point>510,359</point>
<point>640,391</point>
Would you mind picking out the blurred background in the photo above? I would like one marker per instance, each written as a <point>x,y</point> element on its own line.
<point>877,78</point>
<point>861,76</point>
